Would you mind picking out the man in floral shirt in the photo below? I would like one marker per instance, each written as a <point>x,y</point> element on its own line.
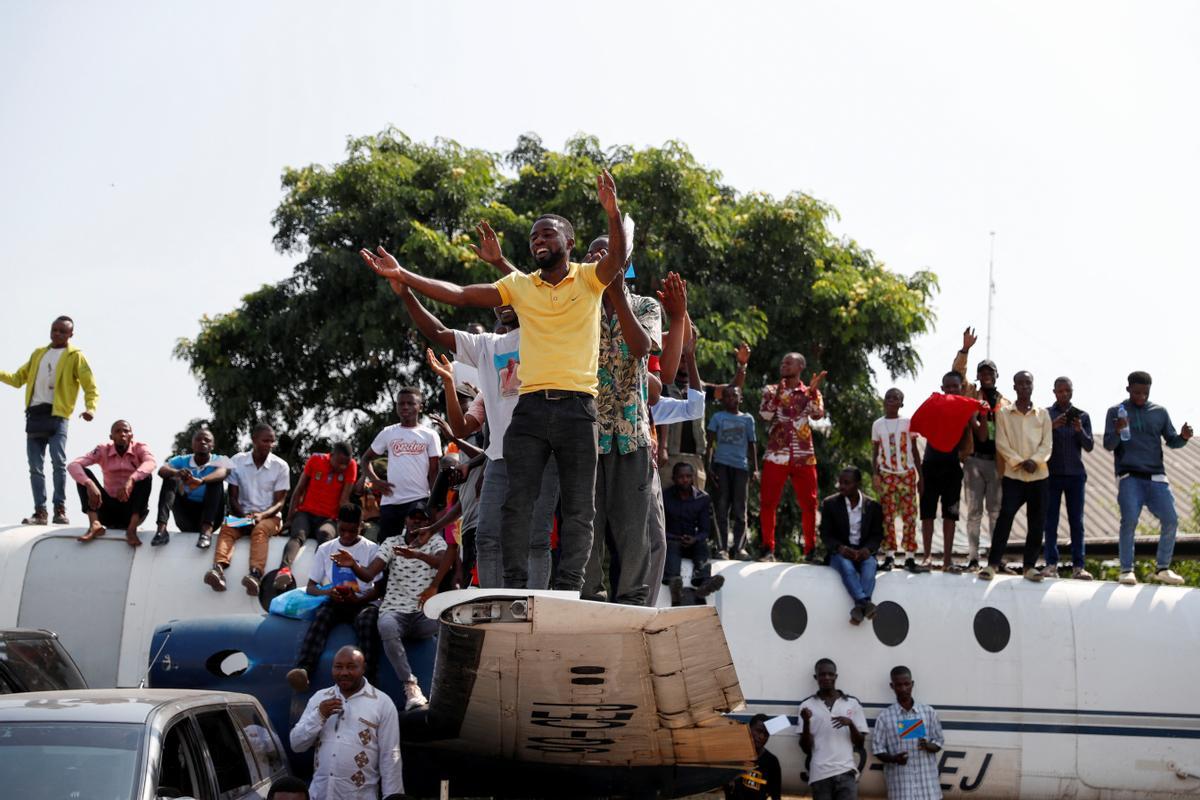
<point>630,328</point>
<point>787,407</point>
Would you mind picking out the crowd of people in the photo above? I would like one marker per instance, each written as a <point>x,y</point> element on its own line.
<point>574,454</point>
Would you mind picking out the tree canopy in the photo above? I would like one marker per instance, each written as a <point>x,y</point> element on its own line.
<point>322,353</point>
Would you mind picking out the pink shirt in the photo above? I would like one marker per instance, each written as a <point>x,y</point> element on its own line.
<point>476,410</point>
<point>137,461</point>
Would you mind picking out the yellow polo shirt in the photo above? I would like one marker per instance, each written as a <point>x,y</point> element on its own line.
<point>560,328</point>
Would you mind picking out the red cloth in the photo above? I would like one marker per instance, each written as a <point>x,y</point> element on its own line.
<point>942,419</point>
<point>324,492</point>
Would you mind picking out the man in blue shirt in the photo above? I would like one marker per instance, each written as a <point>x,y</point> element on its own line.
<point>1141,477</point>
<point>732,449</point>
<point>194,488</point>
<point>1071,429</point>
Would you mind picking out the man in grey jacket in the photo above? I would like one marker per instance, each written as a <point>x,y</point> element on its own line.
<point>1141,476</point>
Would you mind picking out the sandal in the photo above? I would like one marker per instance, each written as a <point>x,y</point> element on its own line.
<point>952,569</point>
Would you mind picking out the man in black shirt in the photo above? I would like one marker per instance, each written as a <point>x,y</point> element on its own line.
<point>765,780</point>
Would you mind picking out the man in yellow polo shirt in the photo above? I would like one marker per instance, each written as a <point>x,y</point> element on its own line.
<point>559,307</point>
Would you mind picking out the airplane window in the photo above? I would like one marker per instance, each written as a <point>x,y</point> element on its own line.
<point>227,752</point>
<point>891,623</point>
<point>789,617</point>
<point>992,630</point>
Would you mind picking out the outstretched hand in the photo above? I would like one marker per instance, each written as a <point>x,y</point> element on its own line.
<point>606,193</point>
<point>488,248</point>
<point>743,354</point>
<point>815,384</point>
<point>673,295</point>
<point>383,263</point>
<point>969,338</point>
<point>441,366</point>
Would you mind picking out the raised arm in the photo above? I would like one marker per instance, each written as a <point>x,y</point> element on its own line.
<point>385,265</point>
<point>488,249</point>
<point>613,262</point>
<point>636,337</point>
<point>673,298</point>
<point>430,326</point>
<point>444,369</point>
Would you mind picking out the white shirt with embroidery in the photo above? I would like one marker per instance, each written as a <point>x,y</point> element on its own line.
<point>358,750</point>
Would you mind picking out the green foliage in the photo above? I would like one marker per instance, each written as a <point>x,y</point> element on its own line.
<point>323,352</point>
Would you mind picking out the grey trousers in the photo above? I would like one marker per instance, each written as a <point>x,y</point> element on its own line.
<point>394,627</point>
<point>488,558</point>
<point>656,530</point>
<point>981,479</point>
<point>622,502</point>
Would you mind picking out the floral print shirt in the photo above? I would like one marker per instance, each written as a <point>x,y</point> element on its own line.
<point>787,411</point>
<point>622,411</point>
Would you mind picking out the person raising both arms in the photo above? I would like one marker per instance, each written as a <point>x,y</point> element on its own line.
<point>559,307</point>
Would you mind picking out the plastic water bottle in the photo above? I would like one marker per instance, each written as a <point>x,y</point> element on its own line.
<point>1123,414</point>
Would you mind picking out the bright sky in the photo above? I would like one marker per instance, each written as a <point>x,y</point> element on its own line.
<point>142,145</point>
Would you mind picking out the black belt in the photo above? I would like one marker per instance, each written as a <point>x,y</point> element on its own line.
<point>984,456</point>
<point>559,394</point>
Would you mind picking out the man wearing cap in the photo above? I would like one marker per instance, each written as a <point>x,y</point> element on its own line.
<point>982,472</point>
<point>630,327</point>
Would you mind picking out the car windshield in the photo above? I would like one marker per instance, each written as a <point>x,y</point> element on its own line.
<point>56,760</point>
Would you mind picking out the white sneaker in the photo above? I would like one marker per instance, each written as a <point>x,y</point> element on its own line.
<point>987,573</point>
<point>413,696</point>
<point>1169,577</point>
<point>1032,574</point>
<point>1127,579</point>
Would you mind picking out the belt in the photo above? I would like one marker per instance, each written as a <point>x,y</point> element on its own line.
<point>984,456</point>
<point>559,394</point>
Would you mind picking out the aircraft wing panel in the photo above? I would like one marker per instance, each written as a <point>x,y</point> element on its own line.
<point>554,680</point>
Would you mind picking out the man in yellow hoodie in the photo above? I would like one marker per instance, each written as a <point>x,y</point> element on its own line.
<point>52,378</point>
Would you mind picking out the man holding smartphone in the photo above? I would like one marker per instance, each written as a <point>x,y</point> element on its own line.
<point>1071,429</point>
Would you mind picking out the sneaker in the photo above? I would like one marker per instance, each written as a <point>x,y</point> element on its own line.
<point>60,516</point>
<point>767,558</point>
<point>215,578</point>
<point>251,582</point>
<point>1032,574</point>
<point>721,555</point>
<point>1168,576</point>
<point>1081,574</point>
<point>887,564</point>
<point>298,679</point>
<point>413,696</point>
<point>987,573</point>
<point>912,566</point>
<point>869,610</point>
<point>160,538</point>
<point>710,586</point>
<point>284,580</point>
<point>856,615</point>
<point>973,565</point>
<point>204,541</point>
<point>741,554</point>
<point>37,518</point>
<point>1127,579</point>
<point>1050,571</point>
<point>675,588</point>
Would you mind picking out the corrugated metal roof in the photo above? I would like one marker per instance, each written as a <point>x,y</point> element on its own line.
<point>1101,518</point>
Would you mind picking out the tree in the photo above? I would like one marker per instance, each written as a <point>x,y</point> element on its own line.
<point>322,353</point>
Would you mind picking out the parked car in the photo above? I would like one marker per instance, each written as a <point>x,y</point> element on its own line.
<point>136,744</point>
<point>34,660</point>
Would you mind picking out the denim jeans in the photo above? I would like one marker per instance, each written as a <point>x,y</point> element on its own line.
<point>857,576</point>
<point>1133,494</point>
<point>545,424</point>
<point>1072,488</point>
<point>394,628</point>
<point>488,553</point>
<point>35,451</point>
<point>1013,495</point>
<point>697,551</point>
<point>730,496</point>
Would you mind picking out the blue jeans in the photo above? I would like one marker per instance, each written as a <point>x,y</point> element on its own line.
<point>1133,494</point>
<point>488,553</point>
<point>35,451</point>
<point>545,424</point>
<point>857,576</point>
<point>1071,487</point>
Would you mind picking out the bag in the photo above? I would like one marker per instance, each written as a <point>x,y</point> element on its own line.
<point>297,604</point>
<point>40,422</point>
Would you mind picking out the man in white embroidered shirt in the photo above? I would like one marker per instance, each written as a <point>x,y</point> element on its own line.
<point>357,733</point>
<point>906,738</point>
<point>833,726</point>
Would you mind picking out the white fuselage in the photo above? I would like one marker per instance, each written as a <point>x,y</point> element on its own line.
<point>1091,694</point>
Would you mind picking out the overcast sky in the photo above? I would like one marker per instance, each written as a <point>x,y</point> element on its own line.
<point>142,145</point>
